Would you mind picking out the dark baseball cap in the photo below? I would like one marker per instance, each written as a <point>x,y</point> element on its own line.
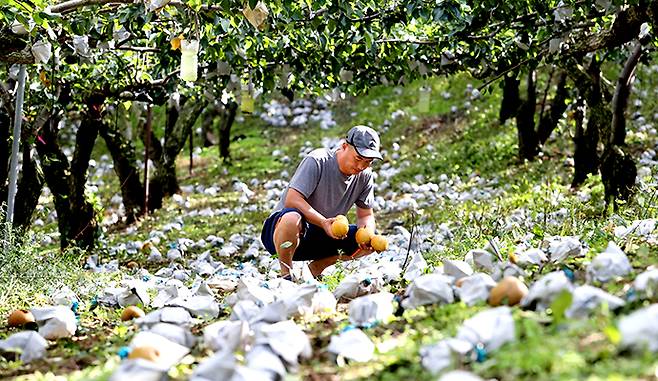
<point>365,141</point>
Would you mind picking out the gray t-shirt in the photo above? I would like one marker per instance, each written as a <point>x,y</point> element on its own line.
<point>326,188</point>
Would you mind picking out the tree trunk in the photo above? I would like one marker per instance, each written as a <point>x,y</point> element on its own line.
<point>549,122</point>
<point>30,183</point>
<point>124,159</point>
<point>55,167</point>
<point>84,224</point>
<point>207,121</point>
<point>511,102</point>
<point>525,122</point>
<point>618,170</point>
<point>30,186</point>
<point>179,123</point>
<point>225,130</point>
<point>5,123</point>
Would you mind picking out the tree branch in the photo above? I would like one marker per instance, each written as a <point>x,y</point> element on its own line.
<point>620,99</point>
<point>139,49</point>
<point>71,5</point>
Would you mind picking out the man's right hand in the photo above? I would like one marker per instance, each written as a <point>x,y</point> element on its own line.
<point>326,226</point>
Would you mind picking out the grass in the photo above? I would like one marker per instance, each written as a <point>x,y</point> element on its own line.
<point>469,147</point>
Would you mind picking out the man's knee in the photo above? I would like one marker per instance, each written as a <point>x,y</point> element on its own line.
<point>290,220</point>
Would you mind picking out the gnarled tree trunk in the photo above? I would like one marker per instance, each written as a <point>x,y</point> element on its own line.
<point>525,122</point>
<point>511,102</point>
<point>124,159</point>
<point>179,123</point>
<point>225,130</point>
<point>618,170</point>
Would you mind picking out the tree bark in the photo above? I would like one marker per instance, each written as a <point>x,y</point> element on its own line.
<point>549,121</point>
<point>178,125</point>
<point>5,123</point>
<point>55,167</point>
<point>618,169</point>
<point>207,121</point>
<point>586,139</point>
<point>509,106</point>
<point>124,159</point>
<point>30,186</point>
<point>525,122</point>
<point>225,130</point>
<point>84,224</point>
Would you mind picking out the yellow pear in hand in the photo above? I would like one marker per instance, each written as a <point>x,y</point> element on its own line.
<point>340,226</point>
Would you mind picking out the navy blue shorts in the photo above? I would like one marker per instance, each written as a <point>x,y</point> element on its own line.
<point>314,243</point>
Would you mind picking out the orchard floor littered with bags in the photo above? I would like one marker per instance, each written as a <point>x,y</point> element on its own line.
<point>461,214</point>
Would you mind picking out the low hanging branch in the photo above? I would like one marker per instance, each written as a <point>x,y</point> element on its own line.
<point>72,5</point>
<point>620,97</point>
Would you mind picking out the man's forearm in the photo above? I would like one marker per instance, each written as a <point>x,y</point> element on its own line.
<point>297,201</point>
<point>367,221</point>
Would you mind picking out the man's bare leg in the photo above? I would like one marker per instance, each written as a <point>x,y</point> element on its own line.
<point>287,229</point>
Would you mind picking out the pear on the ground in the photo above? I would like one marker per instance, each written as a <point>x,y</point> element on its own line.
<point>379,243</point>
<point>131,312</point>
<point>19,318</point>
<point>363,236</point>
<point>145,352</point>
<point>340,226</point>
<point>510,290</point>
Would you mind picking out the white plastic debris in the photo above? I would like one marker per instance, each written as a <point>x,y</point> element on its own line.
<point>154,254</point>
<point>42,51</point>
<point>174,333</point>
<point>355,285</point>
<point>561,248</point>
<point>529,257</point>
<point>459,375</point>
<point>202,306</point>
<point>491,328</point>
<point>220,366</point>
<point>444,354</point>
<point>482,260</point>
<point>641,228</point>
<point>251,289</point>
<point>370,309</point>
<point>646,284</point>
<point>286,339</point>
<point>135,293</point>
<point>225,335</point>
<point>155,5</point>
<point>30,344</point>
<point>323,302</point>
<point>505,269</point>
<point>64,297</point>
<point>352,344</point>
<point>475,288</point>
<point>586,298</point>
<point>456,269</point>
<point>545,290</point>
<point>55,322</point>
<point>173,315</point>
<point>245,310</point>
<point>428,289</point>
<point>170,353</point>
<point>639,329</point>
<point>137,369</point>
<point>608,265</point>
<point>416,267</point>
<point>81,45</point>
<point>263,359</point>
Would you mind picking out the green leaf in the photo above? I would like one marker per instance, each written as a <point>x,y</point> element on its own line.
<point>613,334</point>
<point>560,305</point>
